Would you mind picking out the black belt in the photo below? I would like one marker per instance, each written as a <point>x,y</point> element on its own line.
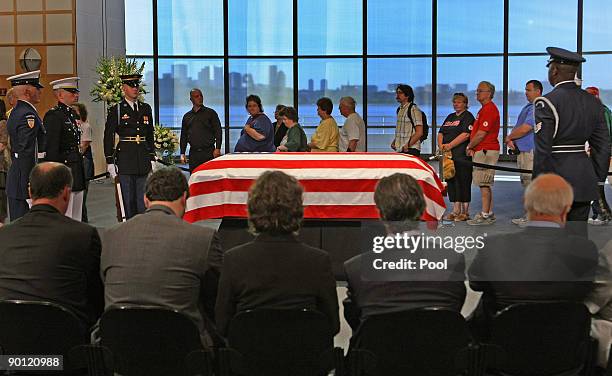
<point>137,139</point>
<point>568,149</point>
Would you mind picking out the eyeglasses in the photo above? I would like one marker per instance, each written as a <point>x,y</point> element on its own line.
<point>482,91</point>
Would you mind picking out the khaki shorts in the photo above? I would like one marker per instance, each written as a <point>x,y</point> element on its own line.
<point>525,162</point>
<point>483,177</point>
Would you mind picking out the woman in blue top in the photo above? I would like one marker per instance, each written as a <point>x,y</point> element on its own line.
<point>258,132</point>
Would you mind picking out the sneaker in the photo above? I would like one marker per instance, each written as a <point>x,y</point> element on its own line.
<point>597,221</point>
<point>520,222</point>
<point>462,217</point>
<point>480,220</point>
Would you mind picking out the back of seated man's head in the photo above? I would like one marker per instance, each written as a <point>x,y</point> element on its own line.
<point>548,198</point>
<point>168,187</point>
<point>51,184</point>
<point>399,198</point>
<point>275,204</point>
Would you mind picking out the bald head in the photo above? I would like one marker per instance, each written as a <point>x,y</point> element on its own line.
<point>549,197</point>
<point>50,184</point>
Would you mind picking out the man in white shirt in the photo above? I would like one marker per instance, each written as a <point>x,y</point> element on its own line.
<point>352,134</point>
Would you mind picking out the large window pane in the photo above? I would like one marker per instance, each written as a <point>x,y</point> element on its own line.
<point>141,41</point>
<point>332,78</point>
<point>535,25</point>
<point>178,77</point>
<point>597,28</point>
<point>271,80</point>
<point>399,27</point>
<point>330,27</point>
<point>190,27</point>
<point>149,80</point>
<point>260,27</point>
<point>462,74</point>
<point>596,72</point>
<point>475,26</point>
<point>383,77</point>
<point>520,70</point>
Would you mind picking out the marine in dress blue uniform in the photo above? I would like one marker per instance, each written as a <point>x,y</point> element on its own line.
<point>28,141</point>
<point>565,119</point>
<point>131,159</point>
<point>63,140</point>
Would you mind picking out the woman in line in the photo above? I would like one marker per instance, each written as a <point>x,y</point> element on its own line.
<point>454,136</point>
<point>88,162</point>
<point>327,134</point>
<point>258,132</point>
<point>295,139</point>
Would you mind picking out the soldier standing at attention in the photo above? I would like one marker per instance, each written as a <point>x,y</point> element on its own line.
<point>63,140</point>
<point>28,141</point>
<point>133,157</point>
<point>565,119</point>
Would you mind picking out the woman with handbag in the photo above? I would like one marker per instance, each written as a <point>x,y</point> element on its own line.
<point>453,137</point>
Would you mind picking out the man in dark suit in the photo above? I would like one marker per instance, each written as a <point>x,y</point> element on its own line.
<point>133,157</point>
<point>399,199</point>
<point>542,262</point>
<point>47,256</point>
<point>27,138</point>
<point>276,270</point>
<point>158,259</point>
<point>565,119</point>
<point>64,138</point>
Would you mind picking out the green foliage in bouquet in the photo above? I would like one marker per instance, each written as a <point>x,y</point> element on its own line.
<point>166,143</point>
<point>108,87</point>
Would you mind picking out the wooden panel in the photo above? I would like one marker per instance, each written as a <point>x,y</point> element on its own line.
<point>61,44</point>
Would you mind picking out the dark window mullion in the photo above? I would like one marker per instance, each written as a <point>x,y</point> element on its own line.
<point>226,92</point>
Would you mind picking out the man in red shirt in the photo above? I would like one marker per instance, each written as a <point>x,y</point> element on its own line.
<point>484,148</point>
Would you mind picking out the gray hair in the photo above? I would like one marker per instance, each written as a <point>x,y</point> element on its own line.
<point>548,194</point>
<point>490,86</point>
<point>349,101</point>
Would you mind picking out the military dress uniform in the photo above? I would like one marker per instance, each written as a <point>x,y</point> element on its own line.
<point>565,119</point>
<point>133,154</point>
<point>63,141</point>
<point>28,142</point>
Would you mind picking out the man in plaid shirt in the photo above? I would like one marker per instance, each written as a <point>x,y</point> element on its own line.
<point>409,128</point>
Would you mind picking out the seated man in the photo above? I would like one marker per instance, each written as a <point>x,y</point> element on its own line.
<point>276,270</point>
<point>47,256</point>
<point>156,259</point>
<point>541,263</point>
<point>400,201</point>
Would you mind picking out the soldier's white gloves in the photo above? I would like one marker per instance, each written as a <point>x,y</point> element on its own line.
<point>153,165</point>
<point>112,170</point>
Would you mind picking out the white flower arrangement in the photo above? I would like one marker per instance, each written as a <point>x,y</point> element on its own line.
<point>108,87</point>
<point>166,142</point>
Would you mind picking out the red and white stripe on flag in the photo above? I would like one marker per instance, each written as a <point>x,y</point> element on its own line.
<point>336,185</point>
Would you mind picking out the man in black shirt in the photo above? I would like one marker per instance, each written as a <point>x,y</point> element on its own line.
<point>201,129</point>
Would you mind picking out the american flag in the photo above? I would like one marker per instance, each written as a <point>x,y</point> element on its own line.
<point>336,185</point>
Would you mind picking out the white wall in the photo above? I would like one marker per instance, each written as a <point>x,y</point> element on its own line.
<point>100,32</point>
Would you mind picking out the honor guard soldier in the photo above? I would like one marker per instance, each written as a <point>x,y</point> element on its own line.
<point>133,157</point>
<point>565,119</point>
<point>28,141</point>
<point>64,138</point>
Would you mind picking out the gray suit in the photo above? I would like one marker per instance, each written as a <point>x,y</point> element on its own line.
<point>157,259</point>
